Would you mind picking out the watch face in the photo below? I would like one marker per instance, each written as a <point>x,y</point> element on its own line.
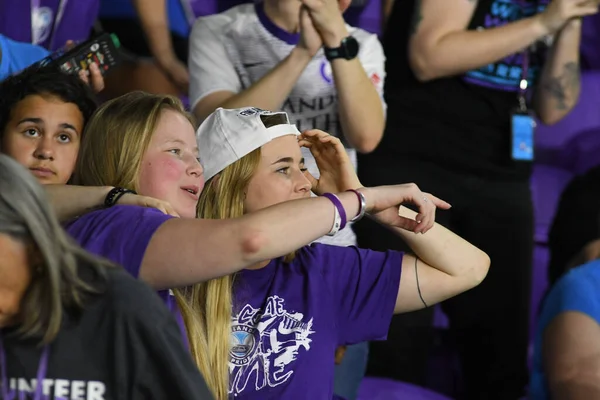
<point>351,47</point>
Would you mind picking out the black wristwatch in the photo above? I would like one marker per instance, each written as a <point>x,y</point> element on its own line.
<point>348,49</point>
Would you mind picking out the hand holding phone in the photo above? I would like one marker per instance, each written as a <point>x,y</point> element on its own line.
<point>102,50</point>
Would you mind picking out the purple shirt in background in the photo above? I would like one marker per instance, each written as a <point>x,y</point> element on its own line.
<point>121,234</point>
<point>289,319</point>
<point>76,22</point>
<point>203,8</point>
<point>366,14</point>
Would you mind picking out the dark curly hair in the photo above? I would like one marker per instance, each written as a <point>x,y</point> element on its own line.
<point>45,81</point>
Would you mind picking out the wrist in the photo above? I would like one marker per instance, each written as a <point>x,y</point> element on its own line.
<point>165,59</point>
<point>113,196</point>
<point>334,38</point>
<point>362,205</point>
<point>300,56</point>
<point>539,26</point>
<point>104,191</point>
<point>573,24</point>
<point>369,201</point>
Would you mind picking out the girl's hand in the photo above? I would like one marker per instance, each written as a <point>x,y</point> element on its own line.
<point>91,76</point>
<point>337,173</point>
<point>384,203</point>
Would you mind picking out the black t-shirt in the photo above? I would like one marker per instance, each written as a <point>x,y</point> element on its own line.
<point>125,345</point>
<point>461,122</point>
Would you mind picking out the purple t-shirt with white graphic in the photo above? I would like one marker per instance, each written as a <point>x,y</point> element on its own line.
<point>289,319</point>
<point>39,25</point>
<point>122,234</point>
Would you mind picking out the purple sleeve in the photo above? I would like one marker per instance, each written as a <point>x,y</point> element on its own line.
<point>365,285</point>
<point>120,233</point>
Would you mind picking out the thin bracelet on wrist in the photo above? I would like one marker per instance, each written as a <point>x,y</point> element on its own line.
<point>114,195</point>
<point>362,204</point>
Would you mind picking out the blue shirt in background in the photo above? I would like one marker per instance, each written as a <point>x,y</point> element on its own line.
<point>17,56</point>
<point>578,290</point>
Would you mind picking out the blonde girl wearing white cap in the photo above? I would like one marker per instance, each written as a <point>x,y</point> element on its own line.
<point>272,331</point>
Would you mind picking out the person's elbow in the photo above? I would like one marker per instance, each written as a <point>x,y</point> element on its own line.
<point>425,57</point>
<point>477,270</point>
<point>423,64</point>
<point>368,138</point>
<point>550,118</point>
<point>548,113</point>
<point>369,142</point>
<point>252,244</point>
<point>553,117</point>
<point>209,103</point>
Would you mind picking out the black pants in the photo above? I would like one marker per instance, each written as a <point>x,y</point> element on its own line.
<point>489,323</point>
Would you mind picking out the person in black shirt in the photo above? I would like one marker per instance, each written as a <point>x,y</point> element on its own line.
<point>455,70</point>
<point>71,325</point>
<point>570,232</point>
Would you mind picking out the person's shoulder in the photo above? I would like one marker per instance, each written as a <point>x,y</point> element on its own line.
<point>116,213</point>
<point>576,291</point>
<point>316,250</point>
<point>131,299</point>
<point>111,226</point>
<point>587,275</point>
<point>16,56</point>
<point>321,254</point>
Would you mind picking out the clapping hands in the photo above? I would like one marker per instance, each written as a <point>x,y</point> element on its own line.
<point>321,23</point>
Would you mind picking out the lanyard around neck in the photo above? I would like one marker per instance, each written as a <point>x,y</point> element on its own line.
<point>524,83</point>
<point>36,5</point>
<point>41,374</point>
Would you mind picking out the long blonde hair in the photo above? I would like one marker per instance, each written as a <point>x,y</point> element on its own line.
<point>117,136</point>
<point>207,307</point>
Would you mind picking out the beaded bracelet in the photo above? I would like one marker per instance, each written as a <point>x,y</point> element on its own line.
<point>115,194</point>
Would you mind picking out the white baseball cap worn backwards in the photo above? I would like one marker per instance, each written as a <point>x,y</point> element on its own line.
<point>229,134</point>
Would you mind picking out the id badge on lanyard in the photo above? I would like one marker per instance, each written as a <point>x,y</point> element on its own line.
<point>45,31</point>
<point>522,121</point>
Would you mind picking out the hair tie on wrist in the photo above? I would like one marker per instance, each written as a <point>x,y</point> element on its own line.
<point>339,222</point>
<point>114,195</point>
<point>362,205</point>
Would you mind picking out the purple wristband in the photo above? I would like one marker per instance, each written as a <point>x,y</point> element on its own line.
<point>338,204</point>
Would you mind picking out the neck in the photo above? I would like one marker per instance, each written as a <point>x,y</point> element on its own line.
<point>284,13</point>
<point>259,265</point>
